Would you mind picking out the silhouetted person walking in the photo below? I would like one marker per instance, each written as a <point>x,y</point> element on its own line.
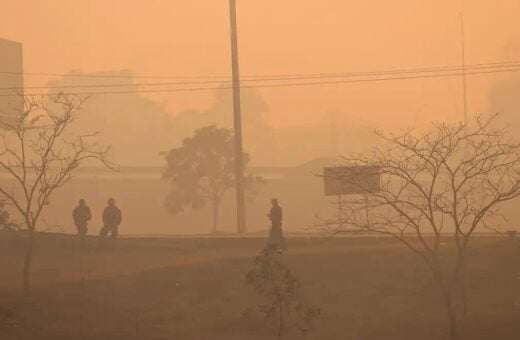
<point>275,234</point>
<point>81,215</point>
<point>111,220</point>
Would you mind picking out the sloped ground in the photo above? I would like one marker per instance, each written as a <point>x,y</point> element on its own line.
<point>194,289</point>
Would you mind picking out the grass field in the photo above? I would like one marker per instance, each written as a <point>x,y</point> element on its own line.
<point>193,288</point>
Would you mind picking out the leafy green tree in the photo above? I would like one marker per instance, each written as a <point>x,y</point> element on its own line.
<point>202,170</point>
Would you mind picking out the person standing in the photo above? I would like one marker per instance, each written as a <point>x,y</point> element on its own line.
<point>275,234</point>
<point>81,216</point>
<point>112,218</point>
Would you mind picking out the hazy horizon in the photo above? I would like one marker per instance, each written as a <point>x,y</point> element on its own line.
<point>173,38</point>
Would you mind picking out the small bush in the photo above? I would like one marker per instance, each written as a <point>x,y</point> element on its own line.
<point>274,282</point>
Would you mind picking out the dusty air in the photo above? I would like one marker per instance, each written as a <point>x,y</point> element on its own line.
<point>245,170</point>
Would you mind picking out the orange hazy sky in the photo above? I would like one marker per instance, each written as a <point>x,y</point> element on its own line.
<point>173,37</point>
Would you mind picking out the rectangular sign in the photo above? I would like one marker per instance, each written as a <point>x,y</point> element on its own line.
<point>350,180</point>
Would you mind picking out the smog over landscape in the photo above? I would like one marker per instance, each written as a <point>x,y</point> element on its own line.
<point>229,169</point>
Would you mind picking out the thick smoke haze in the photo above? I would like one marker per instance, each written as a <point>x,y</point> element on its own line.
<point>251,170</point>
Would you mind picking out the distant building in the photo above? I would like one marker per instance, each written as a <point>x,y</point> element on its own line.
<point>11,76</point>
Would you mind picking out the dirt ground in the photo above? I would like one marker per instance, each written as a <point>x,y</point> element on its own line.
<point>194,289</point>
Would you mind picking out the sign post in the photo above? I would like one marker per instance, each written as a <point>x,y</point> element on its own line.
<point>352,180</point>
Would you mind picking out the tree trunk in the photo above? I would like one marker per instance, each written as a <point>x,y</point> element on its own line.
<point>448,295</point>
<point>280,322</point>
<point>28,262</point>
<point>216,212</point>
<point>452,315</point>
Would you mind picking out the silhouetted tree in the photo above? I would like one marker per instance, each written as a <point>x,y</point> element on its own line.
<point>280,289</point>
<point>39,156</point>
<point>437,187</point>
<point>202,170</point>
<point>127,119</point>
<point>260,142</point>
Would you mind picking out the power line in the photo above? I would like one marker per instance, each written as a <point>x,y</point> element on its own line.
<point>394,71</point>
<point>336,75</point>
<point>330,82</point>
<point>73,75</point>
<point>402,70</point>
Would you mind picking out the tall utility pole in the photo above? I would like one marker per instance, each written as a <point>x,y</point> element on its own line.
<point>463,47</point>
<point>239,159</point>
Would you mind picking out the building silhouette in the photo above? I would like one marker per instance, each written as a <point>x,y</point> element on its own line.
<point>11,78</point>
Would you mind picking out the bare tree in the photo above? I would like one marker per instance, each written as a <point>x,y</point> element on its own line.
<point>437,188</point>
<point>39,156</point>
